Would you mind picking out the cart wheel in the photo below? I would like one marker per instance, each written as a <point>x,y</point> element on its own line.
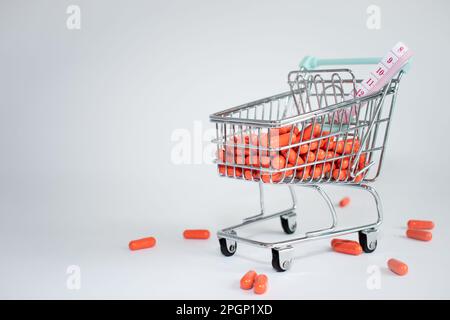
<point>280,262</point>
<point>227,247</point>
<point>368,240</point>
<point>289,223</point>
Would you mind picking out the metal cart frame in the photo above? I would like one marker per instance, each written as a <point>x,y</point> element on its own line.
<point>316,97</point>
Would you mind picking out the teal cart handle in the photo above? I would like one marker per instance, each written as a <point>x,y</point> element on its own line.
<point>311,63</point>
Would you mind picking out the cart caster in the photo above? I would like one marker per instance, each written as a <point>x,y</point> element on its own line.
<point>282,259</point>
<point>368,240</point>
<point>289,222</point>
<point>227,247</point>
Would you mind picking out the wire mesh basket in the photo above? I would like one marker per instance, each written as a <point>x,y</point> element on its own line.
<point>314,133</point>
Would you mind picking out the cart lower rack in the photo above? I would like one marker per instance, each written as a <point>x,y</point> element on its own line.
<point>313,135</point>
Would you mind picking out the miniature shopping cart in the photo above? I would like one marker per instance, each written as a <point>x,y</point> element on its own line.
<point>314,134</point>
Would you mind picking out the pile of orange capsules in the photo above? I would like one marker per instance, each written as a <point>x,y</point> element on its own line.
<point>310,151</point>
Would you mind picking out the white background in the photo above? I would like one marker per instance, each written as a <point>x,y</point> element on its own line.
<point>86,118</point>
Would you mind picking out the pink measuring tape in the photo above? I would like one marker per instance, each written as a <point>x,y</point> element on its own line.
<point>389,66</point>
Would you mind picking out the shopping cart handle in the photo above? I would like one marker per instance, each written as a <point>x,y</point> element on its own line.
<point>311,63</point>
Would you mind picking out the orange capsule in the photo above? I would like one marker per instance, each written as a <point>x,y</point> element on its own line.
<point>362,161</point>
<point>352,146</point>
<point>277,141</point>
<point>310,157</point>
<point>287,173</point>
<point>331,145</point>
<point>221,155</point>
<point>420,224</point>
<point>234,171</point>
<point>260,285</point>
<point>344,162</point>
<point>282,130</point>
<point>142,243</point>
<point>397,267</point>
<point>329,155</point>
<point>336,241</point>
<point>291,155</point>
<point>300,161</point>
<point>256,174</point>
<point>248,280</point>
<point>308,146</point>
<point>340,174</point>
<point>339,146</point>
<point>221,169</point>
<point>347,146</point>
<point>317,172</point>
<point>311,131</point>
<point>324,142</point>
<point>321,154</point>
<point>353,248</point>
<point>419,235</point>
<point>265,162</point>
<point>244,139</point>
<point>248,174</point>
<point>196,234</point>
<point>326,167</point>
<point>276,177</point>
<point>344,202</point>
<point>231,150</point>
<point>278,162</point>
<point>304,173</point>
<point>359,177</point>
<point>295,138</point>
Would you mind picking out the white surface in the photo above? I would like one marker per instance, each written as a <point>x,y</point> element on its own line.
<point>84,223</point>
<point>85,134</point>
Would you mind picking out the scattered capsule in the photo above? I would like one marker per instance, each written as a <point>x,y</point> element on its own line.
<point>142,243</point>
<point>419,235</point>
<point>260,285</point>
<point>420,224</point>
<point>344,202</point>
<point>196,234</point>
<point>352,247</point>
<point>336,241</point>
<point>248,280</point>
<point>397,267</point>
